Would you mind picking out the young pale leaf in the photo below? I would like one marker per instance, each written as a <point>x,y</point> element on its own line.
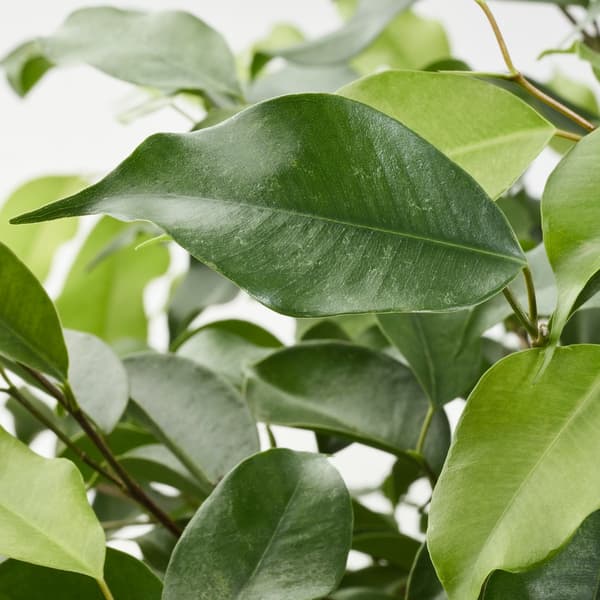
<point>168,50</point>
<point>329,387</point>
<point>127,578</point>
<point>98,379</point>
<point>570,217</point>
<point>45,518</point>
<point>36,245</point>
<point>453,112</point>
<point>572,574</point>
<point>337,207</point>
<point>106,299</point>
<point>524,462</point>
<point>227,347</point>
<point>446,364</point>
<point>205,422</point>
<point>280,522</point>
<point>30,331</point>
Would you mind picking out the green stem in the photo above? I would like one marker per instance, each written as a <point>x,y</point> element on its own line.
<point>272,440</point>
<point>425,428</point>
<point>520,313</point>
<point>105,589</point>
<point>532,302</point>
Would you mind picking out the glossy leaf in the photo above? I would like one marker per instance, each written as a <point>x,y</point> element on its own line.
<point>45,518</point>
<point>328,387</point>
<point>227,347</point>
<point>184,53</point>
<point>98,379</point>
<point>281,520</point>
<point>453,113</point>
<point>524,462</point>
<point>570,215</point>
<point>30,331</point>
<point>36,245</point>
<point>423,583</point>
<point>570,575</point>
<point>205,422</point>
<point>446,365</point>
<point>127,578</point>
<point>313,247</point>
<point>201,287</point>
<point>106,300</point>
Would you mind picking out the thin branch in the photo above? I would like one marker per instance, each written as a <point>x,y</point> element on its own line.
<point>568,135</point>
<point>520,313</point>
<point>519,78</point>
<point>565,11</point>
<point>531,299</point>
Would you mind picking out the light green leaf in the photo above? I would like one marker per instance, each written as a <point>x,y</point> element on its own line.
<point>36,245</point>
<point>570,575</point>
<point>205,422</point>
<point>289,197</point>
<point>454,114</point>
<point>30,331</point>
<point>127,578</point>
<point>281,521</point>
<point>169,50</point>
<point>574,91</point>
<point>107,301</point>
<point>45,518</point>
<point>570,217</point>
<point>201,287</point>
<point>97,378</point>
<point>226,347</point>
<point>329,387</point>
<point>423,583</point>
<point>523,462</point>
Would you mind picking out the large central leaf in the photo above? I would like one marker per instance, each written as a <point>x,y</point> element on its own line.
<point>316,205</point>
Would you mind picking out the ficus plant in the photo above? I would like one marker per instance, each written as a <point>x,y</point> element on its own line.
<point>369,184</point>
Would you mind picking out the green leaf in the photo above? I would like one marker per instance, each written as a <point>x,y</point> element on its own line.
<point>434,345</point>
<point>227,347</point>
<point>570,214</point>
<point>583,328</point>
<point>30,331</point>
<point>201,287</point>
<point>523,213</point>
<point>45,517</point>
<point>423,583</point>
<point>360,594</point>
<point>127,578</point>
<point>523,462</point>
<point>36,245</point>
<point>328,387</point>
<point>388,578</point>
<point>26,426</point>
<point>169,50</point>
<point>280,521</point>
<point>288,197</point>
<point>98,379</point>
<point>453,113</point>
<point>157,546</point>
<point>570,575</point>
<point>404,472</point>
<point>113,309</point>
<point>205,423</point>
<point>391,546</point>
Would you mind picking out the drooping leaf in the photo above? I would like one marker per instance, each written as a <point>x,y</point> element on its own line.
<point>127,578</point>
<point>36,245</point>
<point>330,387</point>
<point>30,331</point>
<point>570,575</point>
<point>524,462</point>
<point>434,346</point>
<point>226,347</point>
<point>453,113</point>
<point>570,217</point>
<point>45,518</point>
<point>201,287</point>
<point>289,198</point>
<point>98,379</point>
<point>107,301</point>
<point>205,422</point>
<point>281,521</point>
<point>169,50</point>
<point>423,583</point>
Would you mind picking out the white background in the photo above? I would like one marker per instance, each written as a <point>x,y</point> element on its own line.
<point>67,123</point>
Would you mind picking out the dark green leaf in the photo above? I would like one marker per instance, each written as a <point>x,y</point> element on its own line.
<point>157,546</point>
<point>26,425</point>
<point>168,50</point>
<point>423,583</point>
<point>288,197</point>
<point>391,546</point>
<point>30,331</point>
<point>360,594</point>
<point>388,578</point>
<point>583,328</point>
<point>523,213</point>
<point>205,422</point>
<point>404,472</point>
<point>280,522</point>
